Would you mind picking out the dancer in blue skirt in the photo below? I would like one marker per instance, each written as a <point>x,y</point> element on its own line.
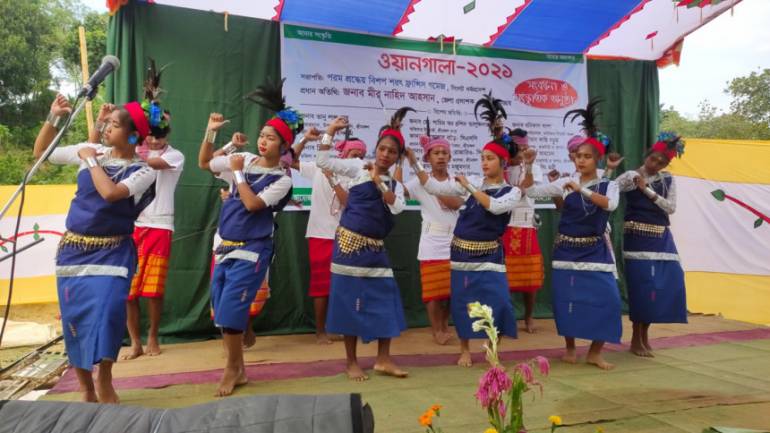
<point>477,258</point>
<point>364,299</point>
<point>654,276</point>
<point>259,187</point>
<point>97,257</point>
<point>586,299</point>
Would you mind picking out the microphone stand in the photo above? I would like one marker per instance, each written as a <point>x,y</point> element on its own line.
<point>78,108</point>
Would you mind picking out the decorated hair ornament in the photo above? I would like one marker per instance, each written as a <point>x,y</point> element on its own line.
<point>499,149</point>
<point>393,127</point>
<point>493,113</point>
<point>590,114</point>
<point>519,137</point>
<point>669,144</point>
<point>519,140</point>
<point>428,142</point>
<point>287,121</point>
<point>574,142</point>
<point>157,117</point>
<point>139,119</point>
<point>343,147</point>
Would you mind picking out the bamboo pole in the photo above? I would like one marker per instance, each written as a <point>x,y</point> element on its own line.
<point>86,74</point>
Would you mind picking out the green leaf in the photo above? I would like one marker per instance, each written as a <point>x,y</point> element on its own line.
<point>2,247</point>
<point>36,236</point>
<point>36,227</point>
<point>758,222</point>
<point>718,194</point>
<point>469,7</point>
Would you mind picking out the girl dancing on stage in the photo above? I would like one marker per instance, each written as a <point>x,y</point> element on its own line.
<point>154,227</point>
<point>656,290</point>
<point>290,158</point>
<point>477,257</point>
<point>439,216</point>
<point>364,299</point>
<point>523,260</point>
<point>586,299</point>
<point>97,257</point>
<point>261,187</point>
<point>328,198</point>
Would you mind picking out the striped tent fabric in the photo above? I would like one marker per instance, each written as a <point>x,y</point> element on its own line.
<point>614,29</point>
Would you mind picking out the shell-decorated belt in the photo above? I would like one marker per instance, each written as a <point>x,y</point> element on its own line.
<point>88,242</point>
<point>350,242</point>
<point>576,242</point>
<point>475,248</point>
<point>644,229</point>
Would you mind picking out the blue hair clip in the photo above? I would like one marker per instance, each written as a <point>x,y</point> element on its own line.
<point>156,114</point>
<point>132,139</point>
<point>289,116</point>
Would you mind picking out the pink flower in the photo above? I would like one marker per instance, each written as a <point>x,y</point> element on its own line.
<point>543,364</point>
<point>526,372</point>
<point>492,386</point>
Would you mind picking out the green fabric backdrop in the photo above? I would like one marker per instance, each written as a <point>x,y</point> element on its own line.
<point>211,69</point>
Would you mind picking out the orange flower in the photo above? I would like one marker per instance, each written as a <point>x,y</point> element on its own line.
<point>436,408</point>
<point>426,419</point>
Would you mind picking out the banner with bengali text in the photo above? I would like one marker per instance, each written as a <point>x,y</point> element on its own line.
<point>330,73</point>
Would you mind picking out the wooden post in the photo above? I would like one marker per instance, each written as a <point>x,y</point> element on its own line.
<point>86,74</point>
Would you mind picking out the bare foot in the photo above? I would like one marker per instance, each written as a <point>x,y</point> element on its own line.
<point>323,338</point>
<point>441,338</point>
<point>249,339</point>
<point>89,397</point>
<point>134,352</point>
<point>231,378</point>
<point>106,394</point>
<point>389,368</point>
<point>465,359</point>
<point>570,357</point>
<point>529,325</point>
<point>640,350</point>
<point>153,348</point>
<point>597,360</point>
<point>647,346</point>
<point>355,373</point>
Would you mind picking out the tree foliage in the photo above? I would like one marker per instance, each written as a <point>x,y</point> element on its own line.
<point>27,39</point>
<point>39,48</point>
<point>96,42</point>
<point>751,96</point>
<point>713,124</point>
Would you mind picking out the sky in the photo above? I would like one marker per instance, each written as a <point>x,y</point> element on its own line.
<point>730,46</point>
<point>727,47</point>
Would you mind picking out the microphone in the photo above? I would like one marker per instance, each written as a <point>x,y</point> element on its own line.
<point>109,64</point>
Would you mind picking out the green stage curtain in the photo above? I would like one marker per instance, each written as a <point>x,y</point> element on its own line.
<point>209,70</point>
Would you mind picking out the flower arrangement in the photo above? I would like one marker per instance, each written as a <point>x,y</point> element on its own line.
<point>499,392</point>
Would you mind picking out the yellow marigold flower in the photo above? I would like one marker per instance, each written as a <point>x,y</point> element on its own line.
<point>554,419</point>
<point>490,430</point>
<point>599,430</point>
